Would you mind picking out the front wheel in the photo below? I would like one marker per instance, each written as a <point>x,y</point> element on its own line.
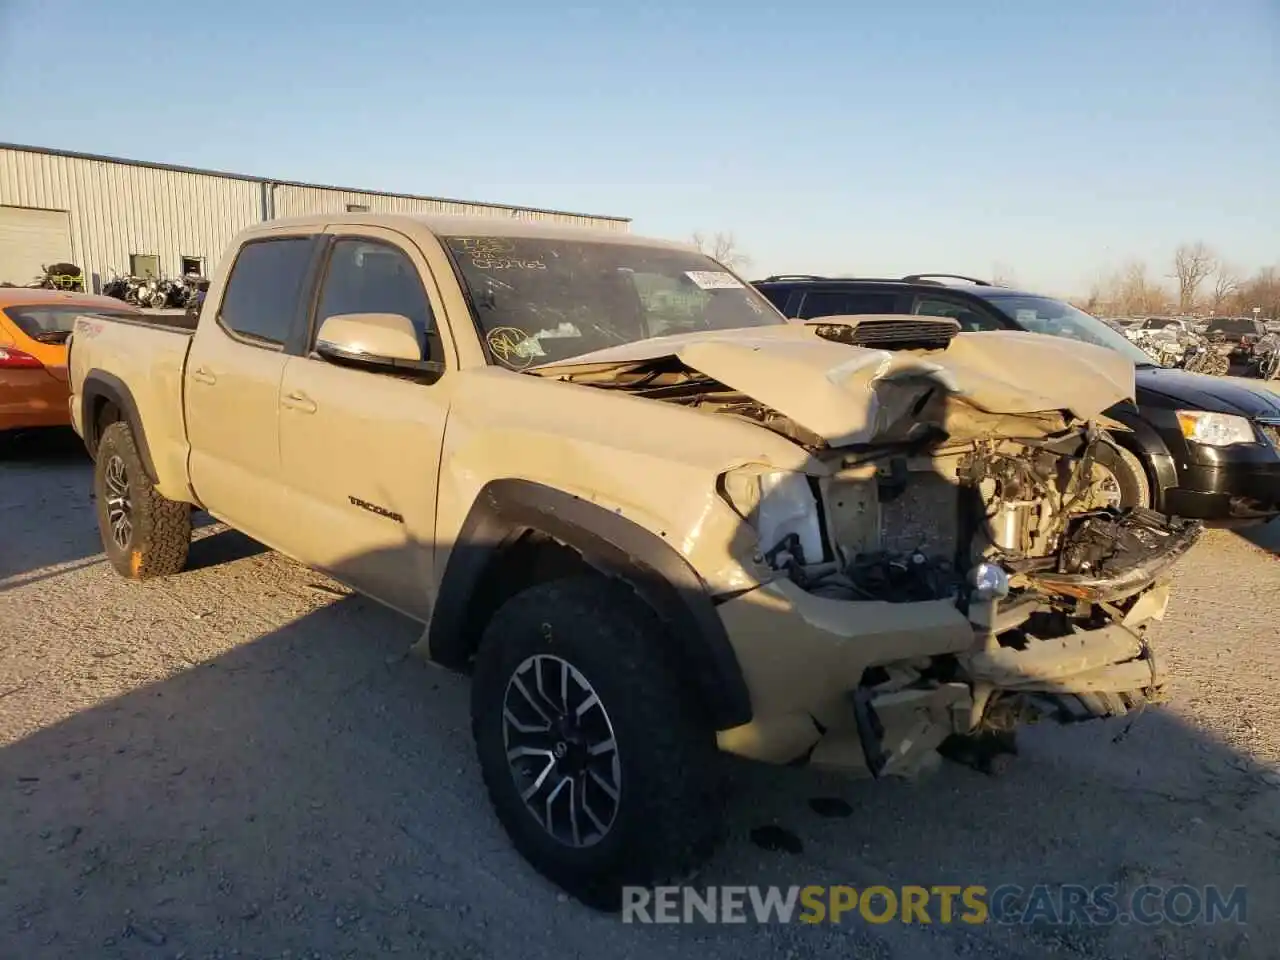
<point>1122,480</point>
<point>597,760</point>
<point>144,534</point>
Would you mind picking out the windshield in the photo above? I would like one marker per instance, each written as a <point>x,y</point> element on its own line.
<point>1058,319</point>
<point>539,300</point>
<point>1232,325</point>
<point>1159,323</point>
<point>53,324</point>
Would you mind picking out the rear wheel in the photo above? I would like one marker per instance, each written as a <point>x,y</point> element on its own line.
<point>597,760</point>
<point>143,534</point>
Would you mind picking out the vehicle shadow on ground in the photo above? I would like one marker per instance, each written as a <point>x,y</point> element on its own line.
<point>1266,535</point>
<point>315,789</point>
<point>46,478</point>
<point>219,545</point>
<point>47,518</point>
<point>42,447</point>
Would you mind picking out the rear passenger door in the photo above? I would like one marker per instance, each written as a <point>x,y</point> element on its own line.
<point>836,302</point>
<point>360,449</point>
<point>232,384</point>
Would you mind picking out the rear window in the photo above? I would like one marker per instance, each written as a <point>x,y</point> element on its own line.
<point>53,324</point>
<point>262,296</point>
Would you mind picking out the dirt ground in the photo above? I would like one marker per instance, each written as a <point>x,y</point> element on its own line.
<point>242,762</point>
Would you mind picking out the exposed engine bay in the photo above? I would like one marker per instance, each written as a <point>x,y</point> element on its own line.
<point>907,528</point>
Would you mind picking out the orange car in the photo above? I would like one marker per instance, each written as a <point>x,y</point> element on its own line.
<point>34,325</point>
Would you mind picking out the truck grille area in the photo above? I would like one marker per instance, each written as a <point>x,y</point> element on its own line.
<point>889,333</point>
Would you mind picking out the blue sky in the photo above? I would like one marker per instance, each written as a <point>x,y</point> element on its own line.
<point>1054,139</point>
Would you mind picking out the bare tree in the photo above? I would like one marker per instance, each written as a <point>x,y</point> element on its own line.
<point>723,247</point>
<point>1128,292</point>
<point>1193,263</point>
<point>1002,275</point>
<point>1225,284</point>
<point>1262,290</point>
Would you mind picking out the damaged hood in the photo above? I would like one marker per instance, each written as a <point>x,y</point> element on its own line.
<point>851,394</point>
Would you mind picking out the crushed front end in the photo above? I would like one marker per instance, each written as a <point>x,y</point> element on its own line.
<point>941,592</point>
<point>951,559</point>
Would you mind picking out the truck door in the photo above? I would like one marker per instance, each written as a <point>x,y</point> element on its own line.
<point>232,387</point>
<point>360,449</point>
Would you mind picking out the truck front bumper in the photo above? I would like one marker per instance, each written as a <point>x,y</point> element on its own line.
<point>805,660</point>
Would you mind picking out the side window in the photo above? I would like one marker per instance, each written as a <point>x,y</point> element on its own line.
<point>368,276</point>
<point>261,299</point>
<point>834,303</point>
<point>970,320</point>
<point>778,296</point>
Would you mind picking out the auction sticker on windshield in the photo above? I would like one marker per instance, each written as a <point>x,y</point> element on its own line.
<point>713,279</point>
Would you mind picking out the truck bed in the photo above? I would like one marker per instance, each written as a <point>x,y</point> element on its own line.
<point>172,319</point>
<point>145,356</point>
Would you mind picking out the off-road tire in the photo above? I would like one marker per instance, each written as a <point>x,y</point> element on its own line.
<point>669,812</point>
<point>161,528</point>
<point>1131,476</point>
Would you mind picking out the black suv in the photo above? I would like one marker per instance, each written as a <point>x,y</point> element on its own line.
<point>1210,446</point>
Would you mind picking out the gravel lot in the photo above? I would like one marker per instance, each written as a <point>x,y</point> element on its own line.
<point>241,761</point>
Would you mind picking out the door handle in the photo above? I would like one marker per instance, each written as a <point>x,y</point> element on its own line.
<point>300,402</point>
<point>203,375</point>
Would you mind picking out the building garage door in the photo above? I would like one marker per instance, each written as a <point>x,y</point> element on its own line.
<point>29,239</point>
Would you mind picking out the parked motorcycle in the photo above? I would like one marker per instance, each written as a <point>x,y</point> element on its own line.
<point>154,292</point>
<point>1167,345</point>
<point>151,293</point>
<point>1265,362</point>
<point>185,290</point>
<point>1203,358</point>
<point>200,287</point>
<point>118,287</point>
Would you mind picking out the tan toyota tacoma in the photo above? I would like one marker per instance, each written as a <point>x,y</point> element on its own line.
<point>649,515</point>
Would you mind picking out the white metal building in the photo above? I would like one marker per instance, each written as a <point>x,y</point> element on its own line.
<point>108,215</point>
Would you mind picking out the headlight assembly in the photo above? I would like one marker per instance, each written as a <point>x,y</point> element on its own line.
<point>777,505</point>
<point>989,581</point>
<point>1215,429</point>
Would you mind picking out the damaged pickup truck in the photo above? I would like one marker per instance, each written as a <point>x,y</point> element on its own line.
<point>650,516</point>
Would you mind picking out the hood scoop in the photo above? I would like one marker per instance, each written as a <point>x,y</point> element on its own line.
<point>889,332</point>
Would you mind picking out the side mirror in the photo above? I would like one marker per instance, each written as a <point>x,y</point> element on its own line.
<point>382,341</point>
